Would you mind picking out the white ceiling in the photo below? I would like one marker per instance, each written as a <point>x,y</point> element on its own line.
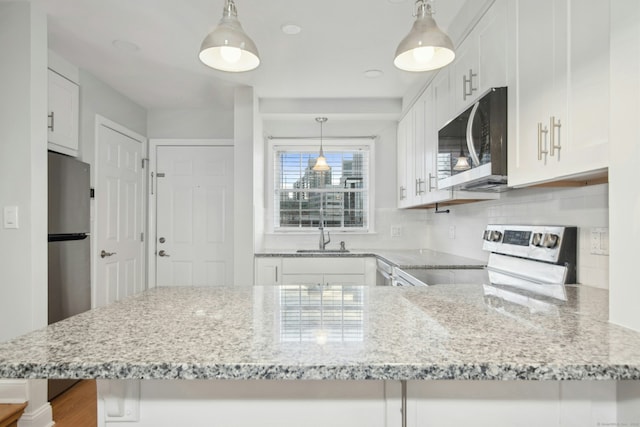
<point>340,40</point>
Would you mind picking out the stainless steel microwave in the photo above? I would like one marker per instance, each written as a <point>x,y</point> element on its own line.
<point>472,148</point>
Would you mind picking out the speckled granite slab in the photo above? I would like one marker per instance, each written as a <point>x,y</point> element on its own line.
<point>418,258</point>
<point>299,332</point>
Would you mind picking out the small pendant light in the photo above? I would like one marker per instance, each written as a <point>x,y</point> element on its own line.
<point>228,47</point>
<point>462,164</point>
<point>321,163</point>
<point>426,47</point>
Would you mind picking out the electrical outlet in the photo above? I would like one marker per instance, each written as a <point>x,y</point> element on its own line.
<point>396,231</point>
<point>452,232</point>
<point>599,241</point>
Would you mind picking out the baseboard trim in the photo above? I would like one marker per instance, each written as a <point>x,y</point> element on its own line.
<point>40,417</point>
<point>14,391</point>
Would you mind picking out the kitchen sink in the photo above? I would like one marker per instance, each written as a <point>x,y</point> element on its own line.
<point>322,251</point>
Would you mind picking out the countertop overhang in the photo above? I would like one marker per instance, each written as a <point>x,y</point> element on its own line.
<point>385,333</point>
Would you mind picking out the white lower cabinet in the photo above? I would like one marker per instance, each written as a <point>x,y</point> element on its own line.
<point>268,271</point>
<point>337,403</point>
<point>315,270</point>
<point>512,403</point>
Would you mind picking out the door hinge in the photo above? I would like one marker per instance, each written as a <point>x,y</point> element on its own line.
<point>142,237</point>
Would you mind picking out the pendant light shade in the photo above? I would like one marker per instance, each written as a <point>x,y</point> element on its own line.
<point>321,163</point>
<point>228,47</point>
<point>426,47</point>
<point>462,164</point>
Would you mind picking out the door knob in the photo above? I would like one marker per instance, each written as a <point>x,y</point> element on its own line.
<point>104,254</point>
<point>163,253</point>
<point>162,240</point>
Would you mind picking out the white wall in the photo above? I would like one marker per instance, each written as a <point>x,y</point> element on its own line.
<point>625,158</point>
<point>23,183</point>
<point>23,168</point>
<point>203,123</point>
<point>584,207</point>
<point>96,97</point>
<point>243,202</point>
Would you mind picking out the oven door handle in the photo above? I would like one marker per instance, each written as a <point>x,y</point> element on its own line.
<point>470,146</point>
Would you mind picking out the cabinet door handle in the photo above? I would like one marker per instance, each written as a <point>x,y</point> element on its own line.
<point>431,178</point>
<point>469,81</point>
<point>421,183</point>
<point>553,125</point>
<point>540,150</point>
<point>276,274</point>
<point>52,120</point>
<point>403,192</point>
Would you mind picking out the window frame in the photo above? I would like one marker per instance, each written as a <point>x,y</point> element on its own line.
<point>296,145</point>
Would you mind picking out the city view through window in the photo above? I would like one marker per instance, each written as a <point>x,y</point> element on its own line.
<point>341,193</point>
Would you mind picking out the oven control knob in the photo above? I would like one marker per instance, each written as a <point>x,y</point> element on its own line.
<point>487,235</point>
<point>495,236</point>
<point>550,240</point>
<point>537,239</point>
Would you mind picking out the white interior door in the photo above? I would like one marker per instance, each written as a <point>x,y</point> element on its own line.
<point>119,216</point>
<point>194,216</point>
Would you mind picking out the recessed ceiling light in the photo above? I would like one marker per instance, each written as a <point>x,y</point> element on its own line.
<point>291,29</point>
<point>373,74</point>
<point>125,46</point>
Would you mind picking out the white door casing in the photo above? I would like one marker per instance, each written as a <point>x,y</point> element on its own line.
<point>193,215</point>
<point>119,213</point>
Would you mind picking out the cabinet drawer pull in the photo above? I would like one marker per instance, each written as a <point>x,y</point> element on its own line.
<point>554,124</point>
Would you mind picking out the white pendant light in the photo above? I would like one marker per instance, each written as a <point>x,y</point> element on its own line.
<point>426,47</point>
<point>228,47</point>
<point>462,164</point>
<point>321,163</point>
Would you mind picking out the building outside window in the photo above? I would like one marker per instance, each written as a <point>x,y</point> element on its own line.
<point>340,196</point>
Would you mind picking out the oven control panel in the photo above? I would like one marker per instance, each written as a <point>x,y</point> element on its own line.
<point>554,244</point>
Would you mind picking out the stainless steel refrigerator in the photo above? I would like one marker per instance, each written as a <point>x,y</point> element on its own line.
<point>69,244</point>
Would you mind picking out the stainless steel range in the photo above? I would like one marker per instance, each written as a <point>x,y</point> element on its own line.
<point>537,258</point>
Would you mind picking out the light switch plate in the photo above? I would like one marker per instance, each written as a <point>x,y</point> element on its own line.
<point>396,231</point>
<point>10,217</point>
<point>599,241</point>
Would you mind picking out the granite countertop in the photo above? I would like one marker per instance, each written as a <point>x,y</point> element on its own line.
<point>417,258</point>
<point>479,332</point>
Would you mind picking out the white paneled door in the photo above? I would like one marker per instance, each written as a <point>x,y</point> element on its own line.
<point>119,216</point>
<point>194,216</point>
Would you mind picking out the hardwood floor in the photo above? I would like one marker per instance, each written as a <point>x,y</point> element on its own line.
<point>77,407</point>
<point>9,414</point>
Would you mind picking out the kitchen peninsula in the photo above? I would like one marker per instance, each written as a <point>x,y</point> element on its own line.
<point>352,333</point>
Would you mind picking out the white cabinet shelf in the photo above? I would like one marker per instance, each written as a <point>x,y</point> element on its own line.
<point>63,114</point>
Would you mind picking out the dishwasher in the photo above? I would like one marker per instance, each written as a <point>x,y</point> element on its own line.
<point>384,273</point>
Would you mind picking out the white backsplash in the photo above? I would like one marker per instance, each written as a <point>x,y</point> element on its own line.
<point>584,207</point>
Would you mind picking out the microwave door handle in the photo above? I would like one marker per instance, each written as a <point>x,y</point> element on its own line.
<point>470,146</point>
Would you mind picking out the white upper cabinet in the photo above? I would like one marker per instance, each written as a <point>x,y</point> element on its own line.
<point>559,90</point>
<point>64,100</point>
<point>481,60</point>
<point>404,159</point>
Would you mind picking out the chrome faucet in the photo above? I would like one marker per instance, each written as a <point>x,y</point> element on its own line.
<point>323,243</point>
